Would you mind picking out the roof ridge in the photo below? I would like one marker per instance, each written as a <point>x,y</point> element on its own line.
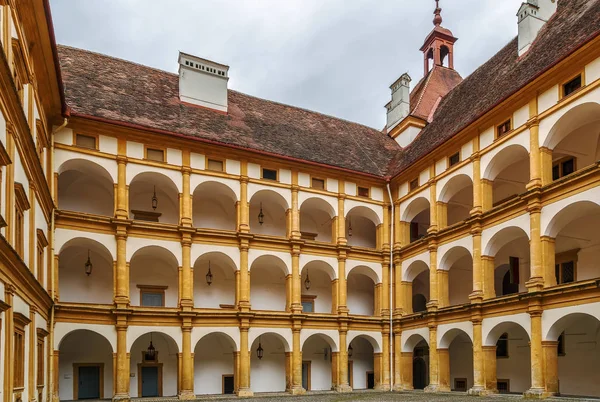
<point>425,84</point>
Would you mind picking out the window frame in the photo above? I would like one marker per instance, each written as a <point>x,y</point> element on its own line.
<point>153,148</point>
<point>20,322</point>
<point>262,173</point>
<point>358,188</point>
<point>41,364</point>
<point>510,128</point>
<point>41,140</point>
<point>561,351</point>
<point>88,135</point>
<point>313,178</point>
<point>565,258</point>
<point>309,299</point>
<point>21,206</point>
<point>559,163</point>
<point>503,338</point>
<point>581,75</point>
<point>42,243</point>
<point>410,184</point>
<point>152,289</point>
<point>457,154</point>
<point>213,159</point>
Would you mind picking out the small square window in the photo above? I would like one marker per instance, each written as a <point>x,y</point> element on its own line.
<point>413,185</point>
<point>269,174</point>
<point>504,128</point>
<point>454,159</point>
<point>152,299</point>
<point>568,166</point>
<point>157,155</point>
<point>308,304</point>
<point>572,86</point>
<point>85,141</point>
<point>363,192</point>
<point>215,165</point>
<point>318,183</point>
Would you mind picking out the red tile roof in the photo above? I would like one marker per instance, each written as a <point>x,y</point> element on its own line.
<point>121,91</point>
<point>574,24</point>
<point>103,87</point>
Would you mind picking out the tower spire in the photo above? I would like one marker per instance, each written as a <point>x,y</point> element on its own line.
<point>437,20</point>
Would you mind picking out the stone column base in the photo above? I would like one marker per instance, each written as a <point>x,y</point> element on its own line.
<point>245,392</point>
<point>537,393</point>
<point>187,395</point>
<point>343,388</point>
<point>398,388</point>
<point>433,388</point>
<point>121,398</point>
<point>480,391</point>
<point>296,390</point>
<point>382,387</point>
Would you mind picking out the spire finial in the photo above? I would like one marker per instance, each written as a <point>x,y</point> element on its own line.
<point>437,20</point>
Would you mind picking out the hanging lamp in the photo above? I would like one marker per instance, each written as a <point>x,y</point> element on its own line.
<point>349,227</point>
<point>307,281</point>
<point>88,265</point>
<point>154,200</point>
<point>261,216</point>
<point>151,351</point>
<point>350,350</point>
<point>259,350</point>
<point>209,275</point>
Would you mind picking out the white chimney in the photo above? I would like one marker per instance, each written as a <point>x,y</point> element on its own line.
<point>399,107</point>
<point>203,82</point>
<point>532,16</point>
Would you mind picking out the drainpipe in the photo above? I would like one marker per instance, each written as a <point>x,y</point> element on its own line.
<point>391,276</point>
<point>52,278</point>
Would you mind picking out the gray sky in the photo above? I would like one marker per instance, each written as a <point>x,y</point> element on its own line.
<point>333,56</point>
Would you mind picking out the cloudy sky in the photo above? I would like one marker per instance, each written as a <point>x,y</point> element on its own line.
<point>334,56</point>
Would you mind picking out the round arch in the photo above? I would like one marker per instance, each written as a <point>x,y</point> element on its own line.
<point>454,186</point>
<point>364,212</point>
<point>142,189</point>
<point>449,336</point>
<point>568,214</point>
<point>59,341</point>
<point>169,338</point>
<point>501,238</point>
<point>222,334</point>
<point>501,328</point>
<point>558,325</point>
<point>320,266</point>
<point>504,158</point>
<point>152,266</point>
<point>452,256</point>
<point>214,280</point>
<point>283,335</point>
<point>574,119</point>
<point>412,341</point>
<point>317,203</point>
<point>85,186</point>
<point>369,338</point>
<point>364,270</point>
<point>414,208</point>
<point>270,259</point>
<point>328,339</point>
<point>213,206</point>
<point>414,269</point>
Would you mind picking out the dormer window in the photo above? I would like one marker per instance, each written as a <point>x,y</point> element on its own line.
<point>572,86</point>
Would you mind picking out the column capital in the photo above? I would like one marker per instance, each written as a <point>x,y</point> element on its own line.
<point>186,170</point>
<point>122,159</point>
<point>533,122</point>
<point>244,179</point>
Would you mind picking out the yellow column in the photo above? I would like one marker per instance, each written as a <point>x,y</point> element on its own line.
<point>385,234</point>
<point>487,195</point>
<point>487,267</point>
<point>536,283</point>
<point>405,233</point>
<point>244,277</point>
<point>397,227</point>
<point>334,370</point>
<point>385,289</point>
<point>295,207</point>
<point>341,219</point>
<point>535,164</point>
<point>187,363</point>
<point>434,364</point>
<point>244,208</point>
<point>478,360</point>
<point>187,277</point>
<point>477,295</point>
<point>398,299</point>
<point>433,278</point>
<point>433,226</point>
<point>443,290</point>
<point>377,371</point>
<point>342,285</point>
<point>549,260</point>
<point>397,360</point>
<point>122,212</point>
<point>334,296</point>
<point>407,370</point>
<point>244,380</point>
<point>475,159</point>
<point>385,362</point>
<point>55,376</point>
<point>296,280</point>
<point>343,364</point>
<point>489,364</point>
<point>546,165</point>
<point>407,297</point>
<point>31,377</point>
<point>186,196</point>
<point>550,349</point>
<point>444,369</point>
<point>537,354</point>
<point>122,386</point>
<point>442,212</point>
<point>296,362</point>
<point>122,277</point>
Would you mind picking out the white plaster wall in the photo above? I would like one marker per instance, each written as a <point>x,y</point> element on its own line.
<point>464,170</point>
<point>592,71</point>
<point>167,355</point>
<point>406,265</point>
<point>197,179</point>
<point>362,362</point>
<point>424,177</point>
<point>97,350</point>
<point>402,189</point>
<point>20,306</point>
<point>174,156</point>
<point>377,211</point>
<point>222,289</point>
<point>408,211</point>
<point>136,243</point>
<point>62,236</point>
<point>230,333</point>
<point>330,336</point>
<point>199,250</point>
<point>491,167</point>
<point>332,185</point>
<point>317,351</point>
<point>268,373</point>
<point>371,269</point>
<point>62,155</point>
<point>133,169</point>
<point>77,287</point>
<point>253,171</point>
<point>107,144</point>
<point>447,333</point>
<point>285,176</point>
<point>364,231</point>
<point>373,337</point>
<point>135,333</point>
<point>407,136</point>
<point>267,288</point>
<point>151,269</point>
<point>232,167</point>
<point>135,150</point>
<point>213,358</point>
<point>443,249</point>
<point>411,337</point>
<point>466,150</point>
<point>441,165</point>
<point>350,188</point>
<point>520,116</point>
<point>461,360</point>
<point>303,179</point>
<point>320,287</point>
<point>517,367</point>
<point>285,259</point>
<point>331,262</point>
<point>493,327</point>
<point>486,138</point>
<point>489,247</point>
<point>197,161</point>
<point>63,136</point>
<point>332,201</point>
<point>377,193</point>
<point>551,316</point>
<point>361,295</point>
<point>548,99</point>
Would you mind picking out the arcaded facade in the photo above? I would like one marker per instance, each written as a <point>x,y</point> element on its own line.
<point>164,235</point>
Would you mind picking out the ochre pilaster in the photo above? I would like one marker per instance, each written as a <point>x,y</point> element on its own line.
<point>244,380</point>
<point>549,260</point>
<point>122,277</point>
<point>122,386</point>
<point>341,218</point>
<point>343,385</point>
<point>550,350</point>
<point>295,232</point>
<point>296,363</point>
<point>397,227</point>
<point>397,361</point>
<point>487,268</point>
<point>434,364</point>
<point>433,278</point>
<point>442,214</point>
<point>122,212</point>
<point>406,371</point>
<point>536,281</point>
<point>407,297</point>
<point>444,369</point>
<point>477,189</point>
<point>538,383</point>
<point>243,206</point>
<point>443,288</point>
<point>187,277</point>
<point>186,197</point>
<point>489,366</point>
<point>433,212</point>
<point>535,165</point>
<point>296,280</point>
<point>478,359</point>
<point>477,295</point>
<point>385,362</point>
<point>342,285</point>
<point>244,304</point>
<point>187,362</point>
<point>385,289</point>
<point>487,194</point>
<point>546,165</point>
